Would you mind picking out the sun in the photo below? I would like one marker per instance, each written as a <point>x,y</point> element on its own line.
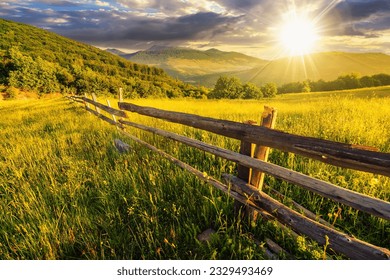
<point>298,36</point>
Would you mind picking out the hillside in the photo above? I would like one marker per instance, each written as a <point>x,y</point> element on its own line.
<point>40,61</point>
<point>205,67</point>
<point>327,66</point>
<point>184,63</point>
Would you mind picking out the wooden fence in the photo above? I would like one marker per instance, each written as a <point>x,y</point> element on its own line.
<point>246,188</point>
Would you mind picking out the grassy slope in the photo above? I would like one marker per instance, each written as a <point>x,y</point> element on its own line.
<point>66,193</point>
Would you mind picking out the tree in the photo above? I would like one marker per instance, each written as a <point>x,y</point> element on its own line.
<point>306,86</point>
<point>227,87</point>
<point>383,79</point>
<point>350,81</point>
<point>269,90</point>
<point>251,91</point>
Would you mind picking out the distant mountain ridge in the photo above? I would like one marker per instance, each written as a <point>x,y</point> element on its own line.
<point>185,63</point>
<point>205,67</point>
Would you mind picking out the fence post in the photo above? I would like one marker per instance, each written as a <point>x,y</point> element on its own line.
<point>109,105</point>
<point>95,99</point>
<point>120,94</point>
<point>254,177</point>
<point>86,103</point>
<point>244,172</point>
<point>268,119</point>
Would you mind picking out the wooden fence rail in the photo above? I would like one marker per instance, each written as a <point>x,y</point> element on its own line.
<point>338,154</point>
<point>356,200</point>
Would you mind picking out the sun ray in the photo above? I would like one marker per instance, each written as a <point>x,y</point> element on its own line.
<point>298,34</point>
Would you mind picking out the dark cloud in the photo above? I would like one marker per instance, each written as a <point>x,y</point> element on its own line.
<point>59,3</point>
<point>112,27</point>
<point>364,19</point>
<point>242,4</point>
<point>356,10</point>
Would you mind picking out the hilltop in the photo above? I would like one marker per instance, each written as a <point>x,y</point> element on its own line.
<point>205,67</point>
<point>186,63</point>
<point>37,60</point>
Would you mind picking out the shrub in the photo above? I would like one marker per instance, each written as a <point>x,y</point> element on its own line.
<point>11,92</point>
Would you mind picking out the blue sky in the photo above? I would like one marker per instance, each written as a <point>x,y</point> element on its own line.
<point>248,26</point>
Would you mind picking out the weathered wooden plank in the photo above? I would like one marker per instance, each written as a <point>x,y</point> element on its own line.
<point>212,181</point>
<point>106,108</point>
<point>95,101</point>
<point>109,105</point>
<point>356,200</point>
<point>244,173</point>
<point>340,242</point>
<point>103,117</point>
<point>335,153</point>
<point>276,248</point>
<point>75,99</point>
<point>268,119</point>
<point>299,207</point>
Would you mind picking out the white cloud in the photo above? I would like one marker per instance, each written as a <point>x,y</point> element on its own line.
<point>102,3</point>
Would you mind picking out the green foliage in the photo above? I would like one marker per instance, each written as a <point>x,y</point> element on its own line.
<point>227,87</point>
<point>232,88</point>
<point>43,62</point>
<point>269,90</point>
<point>349,81</point>
<point>35,75</point>
<point>11,92</point>
<point>251,91</point>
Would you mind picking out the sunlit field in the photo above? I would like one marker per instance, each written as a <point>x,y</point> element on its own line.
<point>67,193</point>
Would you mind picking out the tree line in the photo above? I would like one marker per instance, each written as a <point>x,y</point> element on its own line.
<point>349,81</point>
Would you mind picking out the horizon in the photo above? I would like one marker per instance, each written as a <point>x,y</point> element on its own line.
<point>254,28</point>
<point>283,57</point>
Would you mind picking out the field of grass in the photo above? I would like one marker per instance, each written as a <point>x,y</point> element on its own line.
<point>66,193</point>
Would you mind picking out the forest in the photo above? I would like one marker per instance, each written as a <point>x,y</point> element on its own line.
<point>36,60</point>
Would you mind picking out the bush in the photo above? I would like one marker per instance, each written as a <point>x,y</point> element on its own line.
<point>11,92</point>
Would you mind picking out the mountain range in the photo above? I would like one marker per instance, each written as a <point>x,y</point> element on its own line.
<point>205,67</point>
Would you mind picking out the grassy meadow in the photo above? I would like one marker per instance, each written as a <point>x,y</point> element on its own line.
<point>66,192</point>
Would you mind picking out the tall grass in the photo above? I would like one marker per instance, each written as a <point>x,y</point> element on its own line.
<point>66,193</point>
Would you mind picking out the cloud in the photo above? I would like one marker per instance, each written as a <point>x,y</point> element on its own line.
<point>359,18</point>
<point>356,10</point>
<point>242,4</point>
<point>138,28</point>
<point>59,3</point>
<point>219,23</point>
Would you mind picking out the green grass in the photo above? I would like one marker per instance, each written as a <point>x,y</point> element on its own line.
<point>66,193</point>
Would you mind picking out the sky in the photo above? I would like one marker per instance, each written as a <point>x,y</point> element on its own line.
<point>252,27</point>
